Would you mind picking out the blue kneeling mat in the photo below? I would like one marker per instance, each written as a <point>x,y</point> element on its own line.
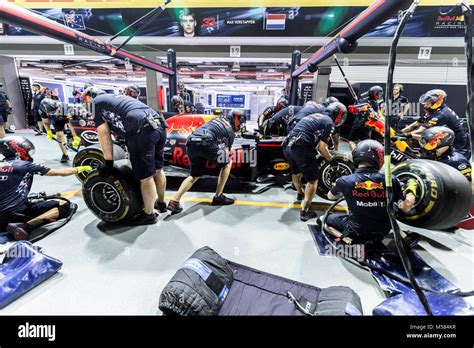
<point>440,291</point>
<point>25,266</point>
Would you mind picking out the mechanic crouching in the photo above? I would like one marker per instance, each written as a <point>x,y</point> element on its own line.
<point>212,142</point>
<point>364,192</point>
<point>145,135</point>
<point>18,216</point>
<point>310,136</point>
<point>271,111</point>
<point>437,143</point>
<point>439,114</point>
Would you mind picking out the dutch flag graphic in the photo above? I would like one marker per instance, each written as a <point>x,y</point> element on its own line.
<point>275,21</point>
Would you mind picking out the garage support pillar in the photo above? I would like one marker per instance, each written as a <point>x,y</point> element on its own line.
<point>321,84</point>
<point>173,80</point>
<point>153,80</point>
<point>295,63</point>
<point>11,86</point>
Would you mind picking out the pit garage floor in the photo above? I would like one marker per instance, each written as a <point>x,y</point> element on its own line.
<point>123,271</point>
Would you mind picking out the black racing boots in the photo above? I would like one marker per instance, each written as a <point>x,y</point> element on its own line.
<point>160,206</point>
<point>143,218</point>
<point>64,159</point>
<point>222,200</point>
<point>308,215</point>
<point>174,207</point>
<point>19,230</point>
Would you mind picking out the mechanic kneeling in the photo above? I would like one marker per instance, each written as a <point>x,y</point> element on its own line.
<point>310,135</point>
<point>18,216</point>
<point>145,134</point>
<point>438,144</point>
<point>212,142</point>
<point>364,192</point>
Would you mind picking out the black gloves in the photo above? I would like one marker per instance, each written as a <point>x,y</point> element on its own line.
<point>107,168</point>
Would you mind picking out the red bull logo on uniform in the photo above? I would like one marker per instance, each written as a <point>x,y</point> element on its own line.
<point>369,185</point>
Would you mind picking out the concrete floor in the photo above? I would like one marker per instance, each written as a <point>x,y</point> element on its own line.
<point>123,271</point>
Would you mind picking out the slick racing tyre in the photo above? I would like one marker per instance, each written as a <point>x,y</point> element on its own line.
<point>94,157</point>
<point>443,196</point>
<point>331,171</point>
<point>113,199</point>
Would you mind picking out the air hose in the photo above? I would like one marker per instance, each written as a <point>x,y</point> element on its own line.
<point>388,170</point>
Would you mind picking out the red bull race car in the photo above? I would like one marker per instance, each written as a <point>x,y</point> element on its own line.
<point>255,158</point>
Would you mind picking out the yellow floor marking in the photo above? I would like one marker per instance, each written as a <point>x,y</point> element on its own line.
<point>316,206</point>
<point>69,194</point>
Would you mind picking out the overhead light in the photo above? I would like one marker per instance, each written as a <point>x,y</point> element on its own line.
<point>49,65</point>
<point>102,65</point>
<point>211,66</point>
<point>31,68</point>
<point>274,67</point>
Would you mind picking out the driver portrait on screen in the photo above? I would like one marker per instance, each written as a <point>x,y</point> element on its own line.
<point>188,22</point>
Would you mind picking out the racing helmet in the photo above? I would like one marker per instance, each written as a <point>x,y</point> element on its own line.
<point>50,106</point>
<point>282,103</point>
<point>236,119</point>
<point>132,91</point>
<point>17,147</point>
<point>436,98</point>
<point>177,101</point>
<point>90,93</point>
<point>338,113</point>
<point>217,112</point>
<point>376,93</point>
<point>329,100</point>
<point>436,137</point>
<point>369,151</point>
